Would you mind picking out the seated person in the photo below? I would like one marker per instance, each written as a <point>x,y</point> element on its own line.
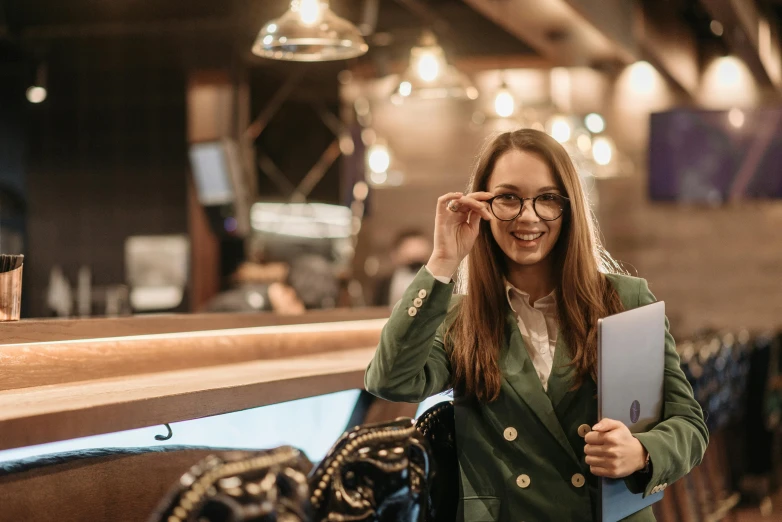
<point>308,283</point>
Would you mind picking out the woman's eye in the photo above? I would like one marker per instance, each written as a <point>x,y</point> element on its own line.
<point>507,197</point>
<point>548,197</point>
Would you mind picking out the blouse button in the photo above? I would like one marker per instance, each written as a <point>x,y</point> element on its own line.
<point>422,293</point>
<point>578,480</point>
<point>510,434</point>
<point>417,302</point>
<point>523,481</point>
<point>412,311</point>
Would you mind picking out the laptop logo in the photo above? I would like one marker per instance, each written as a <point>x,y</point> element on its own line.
<point>635,411</point>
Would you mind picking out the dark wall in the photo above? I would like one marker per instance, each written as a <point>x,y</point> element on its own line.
<point>107,157</point>
<point>11,131</point>
<point>296,136</point>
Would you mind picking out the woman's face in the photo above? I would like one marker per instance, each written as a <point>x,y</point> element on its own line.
<point>525,175</point>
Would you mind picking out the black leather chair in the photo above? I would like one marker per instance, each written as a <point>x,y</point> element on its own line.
<point>241,486</point>
<point>374,473</point>
<point>438,427</point>
<point>400,471</point>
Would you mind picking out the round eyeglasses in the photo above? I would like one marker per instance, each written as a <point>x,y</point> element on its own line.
<point>548,207</point>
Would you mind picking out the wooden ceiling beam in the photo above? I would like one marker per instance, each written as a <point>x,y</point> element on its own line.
<point>670,45</point>
<point>752,35</point>
<point>600,33</point>
<point>559,31</point>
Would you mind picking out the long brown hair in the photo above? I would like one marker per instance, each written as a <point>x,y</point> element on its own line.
<point>583,293</point>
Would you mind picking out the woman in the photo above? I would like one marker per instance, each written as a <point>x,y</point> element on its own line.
<point>520,348</point>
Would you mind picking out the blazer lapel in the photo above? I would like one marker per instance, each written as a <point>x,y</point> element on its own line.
<point>562,376</point>
<point>562,373</point>
<point>518,370</point>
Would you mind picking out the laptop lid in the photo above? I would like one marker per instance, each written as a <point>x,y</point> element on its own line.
<point>631,363</point>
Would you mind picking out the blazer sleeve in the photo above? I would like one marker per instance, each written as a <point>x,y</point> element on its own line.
<point>677,443</point>
<point>411,363</point>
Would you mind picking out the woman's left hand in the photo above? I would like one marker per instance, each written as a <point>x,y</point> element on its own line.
<point>612,451</point>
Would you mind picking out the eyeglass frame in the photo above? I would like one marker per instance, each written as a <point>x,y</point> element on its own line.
<point>534,209</point>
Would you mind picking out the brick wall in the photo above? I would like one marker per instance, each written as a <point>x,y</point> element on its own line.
<point>714,267</point>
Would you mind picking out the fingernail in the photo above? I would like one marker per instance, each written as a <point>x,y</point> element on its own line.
<point>597,427</point>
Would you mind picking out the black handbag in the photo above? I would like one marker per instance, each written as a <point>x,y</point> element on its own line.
<point>374,473</point>
<point>234,486</point>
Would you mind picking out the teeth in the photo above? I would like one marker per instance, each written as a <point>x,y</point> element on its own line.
<point>528,237</point>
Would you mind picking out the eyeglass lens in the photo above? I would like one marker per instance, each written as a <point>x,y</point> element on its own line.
<point>547,206</point>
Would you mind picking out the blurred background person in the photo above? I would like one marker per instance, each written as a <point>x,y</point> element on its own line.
<point>409,252</point>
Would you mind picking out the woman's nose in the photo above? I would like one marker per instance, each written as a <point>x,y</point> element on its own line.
<point>528,212</point>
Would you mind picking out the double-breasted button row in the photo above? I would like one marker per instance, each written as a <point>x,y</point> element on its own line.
<point>417,302</point>
<point>523,481</point>
<point>660,487</point>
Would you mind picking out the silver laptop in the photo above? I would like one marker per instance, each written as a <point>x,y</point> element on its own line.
<point>631,361</point>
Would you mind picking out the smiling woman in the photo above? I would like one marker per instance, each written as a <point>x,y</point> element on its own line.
<point>519,349</point>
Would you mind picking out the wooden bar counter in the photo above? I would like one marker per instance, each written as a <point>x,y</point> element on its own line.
<point>62,379</point>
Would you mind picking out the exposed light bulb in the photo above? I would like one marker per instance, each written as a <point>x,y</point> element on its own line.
<point>309,11</point>
<point>428,67</point>
<point>642,77</point>
<point>360,190</point>
<point>560,129</point>
<point>595,123</point>
<point>504,104</point>
<point>584,142</point>
<point>729,72</point>
<point>736,118</point>
<point>602,150</point>
<point>405,88</point>
<point>36,94</point>
<point>379,158</point>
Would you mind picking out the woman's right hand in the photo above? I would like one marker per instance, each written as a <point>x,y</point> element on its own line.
<point>455,231</point>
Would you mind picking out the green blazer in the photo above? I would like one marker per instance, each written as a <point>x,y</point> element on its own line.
<point>521,457</point>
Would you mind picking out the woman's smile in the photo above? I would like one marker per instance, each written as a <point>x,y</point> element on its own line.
<point>527,239</point>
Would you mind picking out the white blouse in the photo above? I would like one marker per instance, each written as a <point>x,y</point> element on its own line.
<point>538,324</point>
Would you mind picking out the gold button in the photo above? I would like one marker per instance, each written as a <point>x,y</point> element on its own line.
<point>510,434</point>
<point>417,302</point>
<point>583,430</point>
<point>422,293</point>
<point>412,311</point>
<point>523,481</point>
<point>578,480</point>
